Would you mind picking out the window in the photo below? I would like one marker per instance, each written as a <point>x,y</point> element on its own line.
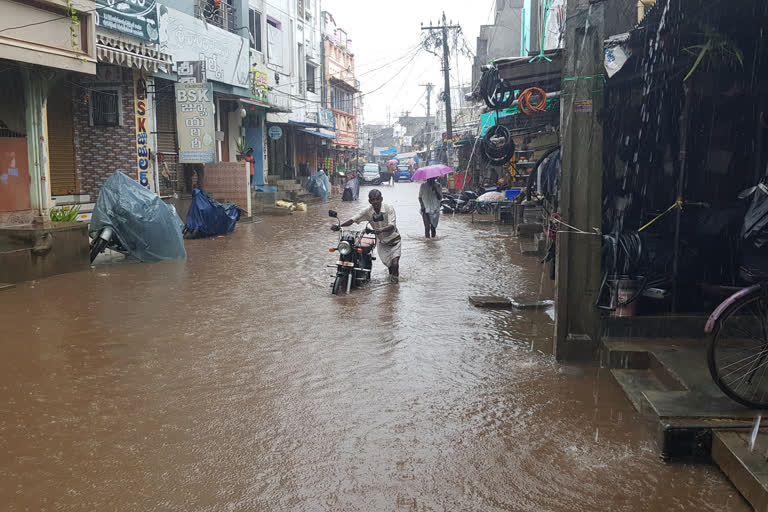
<point>310,78</point>
<point>255,27</point>
<point>300,66</point>
<point>274,41</point>
<point>342,100</point>
<point>216,12</point>
<point>105,107</point>
<point>300,5</point>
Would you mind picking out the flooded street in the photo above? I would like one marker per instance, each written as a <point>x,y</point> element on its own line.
<point>235,381</point>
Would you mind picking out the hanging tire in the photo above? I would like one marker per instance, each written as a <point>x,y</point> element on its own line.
<point>339,284</point>
<point>97,247</point>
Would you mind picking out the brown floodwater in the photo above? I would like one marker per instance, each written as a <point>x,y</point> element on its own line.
<point>235,381</point>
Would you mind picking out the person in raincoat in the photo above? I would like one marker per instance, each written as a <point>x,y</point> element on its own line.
<point>383,220</point>
<point>429,199</point>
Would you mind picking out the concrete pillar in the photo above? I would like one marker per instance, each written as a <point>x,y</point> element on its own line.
<point>577,322</point>
<point>35,97</point>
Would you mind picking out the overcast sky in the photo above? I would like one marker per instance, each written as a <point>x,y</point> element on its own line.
<point>382,32</point>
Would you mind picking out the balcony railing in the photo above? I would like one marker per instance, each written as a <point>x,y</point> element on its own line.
<point>216,12</point>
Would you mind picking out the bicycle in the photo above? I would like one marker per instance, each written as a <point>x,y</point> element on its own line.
<point>737,355</point>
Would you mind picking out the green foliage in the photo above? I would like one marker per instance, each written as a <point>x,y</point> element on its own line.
<point>62,215</point>
<point>242,146</point>
<point>717,46</point>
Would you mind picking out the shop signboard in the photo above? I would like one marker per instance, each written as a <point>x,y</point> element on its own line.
<point>191,71</point>
<point>142,130</point>
<point>259,85</point>
<point>137,18</point>
<point>187,38</point>
<point>275,132</point>
<point>195,123</point>
<point>325,118</point>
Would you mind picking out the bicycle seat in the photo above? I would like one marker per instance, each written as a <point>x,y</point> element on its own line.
<point>753,275</point>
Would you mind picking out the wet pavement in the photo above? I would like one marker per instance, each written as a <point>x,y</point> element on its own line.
<point>235,381</point>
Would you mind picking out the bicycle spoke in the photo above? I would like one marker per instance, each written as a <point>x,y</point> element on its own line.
<point>751,356</point>
<point>747,333</point>
<point>743,377</point>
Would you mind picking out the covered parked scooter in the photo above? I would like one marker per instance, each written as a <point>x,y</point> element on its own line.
<point>351,189</point>
<point>130,219</point>
<point>208,217</point>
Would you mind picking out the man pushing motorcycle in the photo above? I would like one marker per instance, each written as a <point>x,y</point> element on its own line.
<point>383,220</point>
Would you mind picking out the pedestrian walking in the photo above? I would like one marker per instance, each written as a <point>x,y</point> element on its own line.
<point>383,220</point>
<point>429,199</point>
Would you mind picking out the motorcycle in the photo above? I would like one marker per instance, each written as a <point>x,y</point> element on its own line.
<point>356,258</point>
<point>130,219</point>
<point>459,203</point>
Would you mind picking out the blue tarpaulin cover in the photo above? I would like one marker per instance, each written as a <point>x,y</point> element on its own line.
<point>208,217</point>
<point>319,185</point>
<point>149,229</point>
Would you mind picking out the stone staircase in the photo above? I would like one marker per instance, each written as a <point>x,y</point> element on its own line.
<point>668,379</point>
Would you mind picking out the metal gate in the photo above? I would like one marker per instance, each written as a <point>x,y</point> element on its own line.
<point>169,169</point>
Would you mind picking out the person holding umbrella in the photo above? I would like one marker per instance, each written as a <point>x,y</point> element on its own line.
<point>430,195</point>
<point>429,199</point>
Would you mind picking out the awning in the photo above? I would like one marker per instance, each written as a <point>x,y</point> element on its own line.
<point>111,50</point>
<point>267,106</point>
<point>318,134</point>
<point>304,124</point>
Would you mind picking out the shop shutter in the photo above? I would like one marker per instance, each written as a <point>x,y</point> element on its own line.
<point>61,144</point>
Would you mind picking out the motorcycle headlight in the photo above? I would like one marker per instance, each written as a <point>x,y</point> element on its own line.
<point>344,248</point>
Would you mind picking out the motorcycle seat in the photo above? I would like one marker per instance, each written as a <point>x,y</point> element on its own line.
<point>367,242</point>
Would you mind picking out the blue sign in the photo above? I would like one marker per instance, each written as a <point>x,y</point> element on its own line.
<point>326,119</point>
<point>390,151</point>
<point>275,132</point>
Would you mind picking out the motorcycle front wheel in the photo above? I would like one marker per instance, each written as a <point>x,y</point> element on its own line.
<point>338,285</point>
<point>97,247</point>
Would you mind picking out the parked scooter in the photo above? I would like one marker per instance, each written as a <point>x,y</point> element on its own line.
<point>355,249</point>
<point>132,220</point>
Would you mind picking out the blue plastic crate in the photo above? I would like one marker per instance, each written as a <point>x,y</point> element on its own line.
<point>512,193</point>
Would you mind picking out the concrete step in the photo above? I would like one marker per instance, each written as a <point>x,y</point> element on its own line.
<point>71,199</point>
<point>532,246</point>
<point>746,468</point>
<point>529,229</point>
<point>635,383</point>
<point>273,179</point>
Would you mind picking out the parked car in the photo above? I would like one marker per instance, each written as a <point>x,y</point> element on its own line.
<point>403,173</point>
<point>370,174</point>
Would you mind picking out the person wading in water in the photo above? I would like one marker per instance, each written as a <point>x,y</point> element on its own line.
<point>384,225</point>
<point>429,199</point>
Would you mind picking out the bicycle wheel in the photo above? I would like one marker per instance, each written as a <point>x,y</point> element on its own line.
<point>738,351</point>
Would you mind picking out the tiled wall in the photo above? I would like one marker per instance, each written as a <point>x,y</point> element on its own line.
<point>228,181</point>
<point>99,151</point>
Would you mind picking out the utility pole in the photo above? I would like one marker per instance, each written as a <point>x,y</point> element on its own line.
<point>428,126</point>
<point>429,87</point>
<point>446,72</point>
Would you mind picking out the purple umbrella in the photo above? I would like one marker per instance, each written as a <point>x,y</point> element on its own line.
<point>431,171</point>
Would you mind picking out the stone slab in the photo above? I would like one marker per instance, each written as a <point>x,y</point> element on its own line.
<point>746,469</point>
<point>490,301</point>
<point>523,303</point>
<point>695,405</point>
<point>6,286</point>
